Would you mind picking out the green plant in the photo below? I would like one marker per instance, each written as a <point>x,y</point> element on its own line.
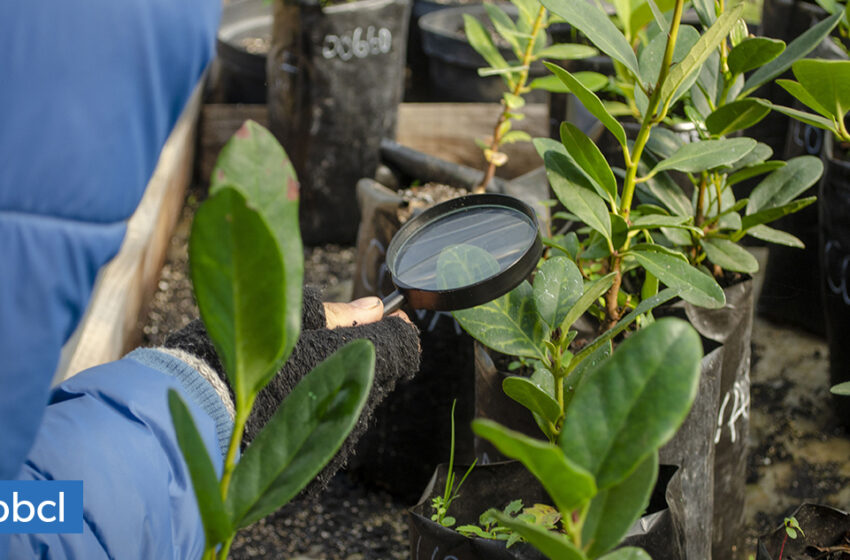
<point>441,504</point>
<point>842,34</point>
<point>643,226</point>
<point>246,268</point>
<point>528,40</point>
<point>824,87</point>
<point>540,515</point>
<point>791,527</point>
<point>841,389</point>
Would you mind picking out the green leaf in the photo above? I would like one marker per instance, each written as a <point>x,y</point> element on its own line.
<point>771,235</point>
<point>766,216</point>
<point>238,275</point>
<point>664,189</point>
<point>828,82</point>
<point>803,96</point>
<point>480,40</point>
<point>707,154</point>
<point>598,28</point>
<point>557,286</point>
<point>504,26</point>
<point>696,287</point>
<point>304,434</point>
<point>841,389</point>
<point>760,153</point>
<point>700,52</point>
<point>566,483</point>
<point>567,51</point>
<point>590,101</point>
<point>509,325</point>
<point>634,402</point>
<point>204,479</point>
<point>573,187</point>
<point>627,553</point>
<point>554,545</point>
<point>655,221</point>
<point>798,48</point>
<point>785,184</point>
<point>754,171</point>
<point>464,265</point>
<point>652,55</point>
<point>532,397</point>
<point>254,163</point>
<point>592,292</point>
<point>589,158</point>
<point>729,255</point>
<point>806,118</point>
<point>592,81</point>
<point>753,53</point>
<point>735,116</point>
<point>515,136</point>
<point>613,511</point>
<point>706,11</point>
<point>663,142</point>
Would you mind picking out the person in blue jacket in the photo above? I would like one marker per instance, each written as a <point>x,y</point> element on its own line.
<point>89,92</point>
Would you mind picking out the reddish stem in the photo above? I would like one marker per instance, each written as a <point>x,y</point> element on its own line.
<point>782,548</point>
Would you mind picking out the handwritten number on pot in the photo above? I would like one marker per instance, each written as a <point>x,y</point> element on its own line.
<point>359,44</point>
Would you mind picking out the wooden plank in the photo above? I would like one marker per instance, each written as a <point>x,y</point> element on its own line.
<point>449,131</point>
<point>124,287</point>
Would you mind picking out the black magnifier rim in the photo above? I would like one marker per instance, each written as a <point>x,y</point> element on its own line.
<point>480,292</point>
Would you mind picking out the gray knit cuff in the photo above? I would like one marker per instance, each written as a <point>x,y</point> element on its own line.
<point>198,387</point>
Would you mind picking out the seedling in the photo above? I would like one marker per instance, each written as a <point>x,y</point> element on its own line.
<point>441,504</point>
<point>791,528</point>
<point>541,515</point>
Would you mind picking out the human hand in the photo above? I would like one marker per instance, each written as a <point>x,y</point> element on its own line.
<point>358,312</point>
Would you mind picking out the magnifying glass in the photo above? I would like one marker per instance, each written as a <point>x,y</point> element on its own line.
<point>462,253</point>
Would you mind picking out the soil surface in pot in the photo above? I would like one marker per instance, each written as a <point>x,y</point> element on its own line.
<point>798,451</point>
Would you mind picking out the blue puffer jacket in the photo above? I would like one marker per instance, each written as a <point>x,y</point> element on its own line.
<point>90,91</point>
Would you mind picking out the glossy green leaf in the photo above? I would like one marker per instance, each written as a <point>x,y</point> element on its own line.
<point>595,24</point>
<point>566,483</point>
<point>656,221</point>
<point>590,101</point>
<point>613,511</point>
<point>590,159</point>
<point>803,96</point>
<point>554,546</point>
<point>573,187</point>
<point>664,189</point>
<point>754,171</point>
<point>757,155</point>
<point>705,11</point>
<point>707,154</point>
<point>592,292</point>
<point>796,49</point>
<point>567,51</point>
<point>771,235</point>
<point>675,271</point>
<point>753,53</point>
<point>729,255</point>
<point>238,275</point>
<point>528,394</point>
<point>304,434</point>
<point>785,184</point>
<point>736,116</point>
<point>805,117</point>
<point>841,389</point>
<point>464,265</point>
<point>828,82</point>
<point>627,553</point>
<point>509,325</point>
<point>663,142</point>
<point>771,214</point>
<point>634,402</point>
<point>652,55</point>
<point>204,479</point>
<point>557,286</point>
<point>254,163</point>
<point>700,52</point>
<point>480,40</point>
<point>592,81</point>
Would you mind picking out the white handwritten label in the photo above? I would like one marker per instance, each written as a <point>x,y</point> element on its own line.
<point>737,401</point>
<point>359,44</point>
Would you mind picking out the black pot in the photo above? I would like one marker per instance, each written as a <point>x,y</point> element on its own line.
<point>711,445</point>
<point>453,64</point>
<point>335,82</point>
<point>823,526</point>
<point>835,269</point>
<point>242,71</point>
<point>497,484</point>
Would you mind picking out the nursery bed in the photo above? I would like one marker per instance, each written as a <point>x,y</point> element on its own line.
<point>798,452</point>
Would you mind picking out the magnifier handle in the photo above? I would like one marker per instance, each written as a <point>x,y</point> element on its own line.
<point>392,302</point>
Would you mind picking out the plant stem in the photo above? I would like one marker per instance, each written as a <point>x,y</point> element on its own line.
<point>782,548</point>
<point>612,310</point>
<point>242,413</point>
<point>518,89</point>
<point>209,553</point>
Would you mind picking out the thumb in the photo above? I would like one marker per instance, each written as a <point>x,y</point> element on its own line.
<point>358,312</point>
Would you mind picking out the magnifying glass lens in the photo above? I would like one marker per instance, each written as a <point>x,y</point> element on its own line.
<point>463,247</point>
